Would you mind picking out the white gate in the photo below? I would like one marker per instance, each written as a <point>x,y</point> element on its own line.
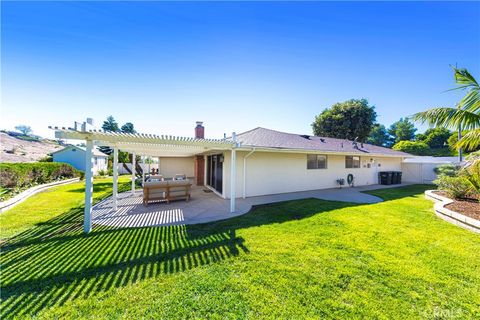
<point>419,172</point>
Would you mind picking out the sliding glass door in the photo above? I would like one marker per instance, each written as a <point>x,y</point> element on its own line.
<point>215,172</point>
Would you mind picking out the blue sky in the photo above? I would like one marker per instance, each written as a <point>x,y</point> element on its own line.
<point>234,65</point>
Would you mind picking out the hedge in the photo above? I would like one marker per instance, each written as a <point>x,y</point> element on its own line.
<point>418,148</point>
<point>21,175</point>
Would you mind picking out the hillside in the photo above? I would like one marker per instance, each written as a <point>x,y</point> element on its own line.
<point>18,150</point>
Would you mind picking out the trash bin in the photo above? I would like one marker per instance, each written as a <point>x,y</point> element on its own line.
<point>399,175</point>
<point>394,177</point>
<point>385,177</point>
<point>389,177</point>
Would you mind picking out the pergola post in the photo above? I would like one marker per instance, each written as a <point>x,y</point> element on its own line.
<point>133,172</point>
<point>233,175</point>
<point>115,178</point>
<point>87,218</point>
<point>143,170</point>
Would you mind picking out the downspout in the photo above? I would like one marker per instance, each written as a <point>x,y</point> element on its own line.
<point>245,171</point>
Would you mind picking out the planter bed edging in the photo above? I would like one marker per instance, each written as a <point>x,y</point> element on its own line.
<point>449,215</point>
<point>10,203</point>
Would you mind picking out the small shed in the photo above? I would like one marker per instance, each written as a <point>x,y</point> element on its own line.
<point>421,169</point>
<point>75,156</point>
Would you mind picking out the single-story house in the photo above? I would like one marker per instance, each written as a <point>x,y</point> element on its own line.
<point>253,163</point>
<point>75,156</point>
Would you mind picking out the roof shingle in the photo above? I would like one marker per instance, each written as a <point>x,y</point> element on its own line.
<point>261,137</point>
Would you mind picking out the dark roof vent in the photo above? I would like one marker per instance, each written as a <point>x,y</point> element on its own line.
<point>322,140</point>
<point>304,136</point>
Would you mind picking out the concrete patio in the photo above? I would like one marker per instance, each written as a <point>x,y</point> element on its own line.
<point>207,206</point>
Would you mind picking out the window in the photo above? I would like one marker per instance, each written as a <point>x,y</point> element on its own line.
<point>95,160</point>
<point>352,162</point>
<point>316,161</point>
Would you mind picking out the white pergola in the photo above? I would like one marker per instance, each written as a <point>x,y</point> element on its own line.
<point>143,145</point>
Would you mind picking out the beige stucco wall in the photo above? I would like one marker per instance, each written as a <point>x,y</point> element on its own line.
<point>170,166</point>
<point>275,172</point>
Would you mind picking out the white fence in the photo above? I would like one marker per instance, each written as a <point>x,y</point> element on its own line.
<point>419,172</point>
<point>421,169</point>
<point>168,167</point>
<point>145,167</point>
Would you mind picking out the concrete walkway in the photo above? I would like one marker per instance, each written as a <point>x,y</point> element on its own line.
<point>207,206</point>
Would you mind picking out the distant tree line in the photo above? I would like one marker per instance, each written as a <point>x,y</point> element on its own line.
<point>355,119</point>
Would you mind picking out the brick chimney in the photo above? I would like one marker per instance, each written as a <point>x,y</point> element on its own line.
<point>199,160</point>
<point>199,130</point>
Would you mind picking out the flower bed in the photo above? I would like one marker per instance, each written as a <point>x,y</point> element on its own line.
<point>461,219</point>
<point>467,207</point>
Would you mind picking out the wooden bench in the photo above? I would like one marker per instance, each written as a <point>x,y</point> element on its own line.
<point>166,190</point>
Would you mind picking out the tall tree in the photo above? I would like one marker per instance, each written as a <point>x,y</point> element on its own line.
<point>26,130</point>
<point>435,138</point>
<point>352,119</point>
<point>110,124</point>
<point>465,117</point>
<point>128,128</point>
<point>378,136</point>
<point>123,157</point>
<point>402,130</point>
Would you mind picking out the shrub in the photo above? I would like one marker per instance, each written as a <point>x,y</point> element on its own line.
<point>413,147</point>
<point>456,187</point>
<point>46,159</point>
<point>454,139</point>
<point>102,172</point>
<point>449,170</point>
<point>20,175</point>
<point>472,175</point>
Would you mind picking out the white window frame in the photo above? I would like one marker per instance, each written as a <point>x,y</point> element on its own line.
<point>353,167</point>
<point>317,161</point>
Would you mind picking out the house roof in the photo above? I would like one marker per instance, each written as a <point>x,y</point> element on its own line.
<point>95,151</point>
<point>155,145</point>
<point>266,138</point>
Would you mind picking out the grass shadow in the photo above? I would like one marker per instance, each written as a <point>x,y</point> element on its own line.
<point>56,262</point>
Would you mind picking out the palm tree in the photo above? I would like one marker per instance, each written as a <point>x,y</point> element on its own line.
<point>465,117</point>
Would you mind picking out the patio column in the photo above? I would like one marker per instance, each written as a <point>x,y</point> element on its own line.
<point>87,219</point>
<point>133,172</point>
<point>115,178</point>
<point>143,170</point>
<point>233,175</point>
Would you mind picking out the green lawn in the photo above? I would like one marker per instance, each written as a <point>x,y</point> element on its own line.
<point>52,203</point>
<point>298,259</point>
